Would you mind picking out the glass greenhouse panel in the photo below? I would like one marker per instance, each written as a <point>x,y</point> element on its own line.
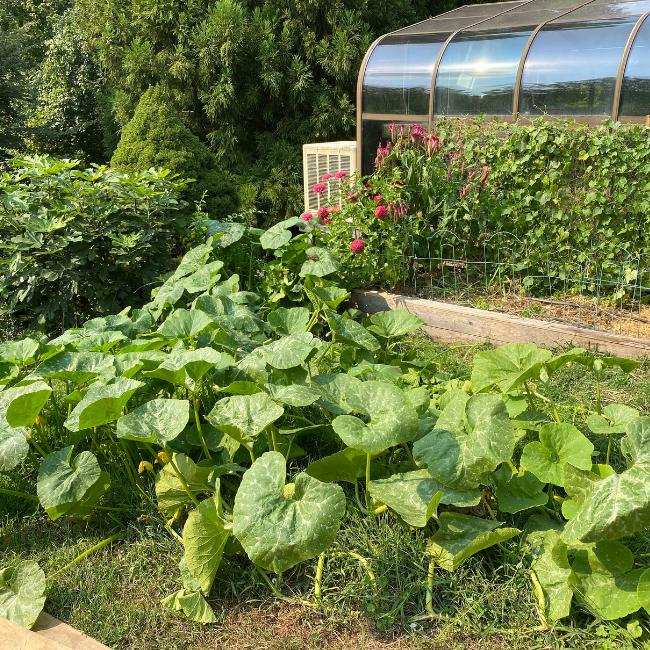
<point>635,91</point>
<point>571,67</point>
<point>398,74</point>
<point>478,71</point>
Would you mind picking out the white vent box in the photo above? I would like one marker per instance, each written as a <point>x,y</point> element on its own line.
<point>326,158</point>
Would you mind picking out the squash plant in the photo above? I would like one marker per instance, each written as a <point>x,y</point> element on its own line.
<point>213,393</point>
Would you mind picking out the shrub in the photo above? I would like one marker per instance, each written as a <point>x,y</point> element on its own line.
<point>156,137</point>
<point>76,242</point>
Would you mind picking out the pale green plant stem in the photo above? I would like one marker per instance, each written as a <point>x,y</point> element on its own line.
<point>85,554</point>
<point>299,417</point>
<point>274,439</point>
<point>410,455</point>
<point>313,320</point>
<point>368,459</point>
<point>609,448</point>
<point>431,613</point>
<point>127,463</point>
<point>531,403</point>
<point>366,511</point>
<point>37,446</point>
<point>206,451</point>
<point>318,595</point>
<point>541,599</point>
<point>277,594</point>
<point>157,507</point>
<point>598,403</point>
<point>24,495</point>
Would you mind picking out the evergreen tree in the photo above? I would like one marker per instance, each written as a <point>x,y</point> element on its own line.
<point>155,137</point>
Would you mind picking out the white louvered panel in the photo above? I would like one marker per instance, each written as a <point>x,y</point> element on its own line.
<point>323,158</point>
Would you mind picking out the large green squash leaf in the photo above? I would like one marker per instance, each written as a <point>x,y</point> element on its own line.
<point>294,395</point>
<point>289,351</point>
<point>286,322</point>
<point>394,323</point>
<point>278,235</point>
<point>578,483</point>
<point>559,443</point>
<point>415,496</point>
<point>602,578</point>
<point>62,484</point>
<point>22,353</point>
<point>461,536</point>
<point>346,465</point>
<point>101,342</point>
<point>204,537</point>
<point>184,324</point>
<point>75,367</point>
<point>22,404</point>
<point>22,593</point>
<point>393,420</point>
<point>617,417</point>
<point>619,505</point>
<point>507,367</point>
<point>157,421</point>
<point>517,491</point>
<point>598,364</point>
<point>551,566</point>
<point>102,404</point>
<point>325,295</point>
<point>281,525</point>
<point>349,331</point>
<point>244,417</point>
<point>335,389</point>
<point>484,439</point>
<point>13,445</point>
<point>192,604</point>
<point>186,367</point>
<point>321,262</point>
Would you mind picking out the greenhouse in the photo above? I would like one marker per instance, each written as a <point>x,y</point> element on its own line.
<point>562,58</point>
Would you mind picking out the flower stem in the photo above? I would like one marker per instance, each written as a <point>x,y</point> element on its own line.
<point>206,451</point>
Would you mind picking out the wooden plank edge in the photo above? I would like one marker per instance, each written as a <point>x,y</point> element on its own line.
<point>459,324</point>
<point>48,633</point>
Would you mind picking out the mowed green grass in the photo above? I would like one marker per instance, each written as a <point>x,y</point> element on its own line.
<point>114,595</point>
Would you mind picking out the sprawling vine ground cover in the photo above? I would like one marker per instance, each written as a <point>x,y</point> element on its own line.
<point>210,393</point>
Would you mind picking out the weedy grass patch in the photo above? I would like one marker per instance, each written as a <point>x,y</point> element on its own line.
<point>166,464</point>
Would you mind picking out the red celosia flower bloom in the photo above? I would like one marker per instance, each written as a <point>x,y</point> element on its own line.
<point>381,212</point>
<point>308,216</point>
<point>326,177</point>
<point>357,245</point>
<point>322,213</point>
<point>339,175</point>
<point>318,188</point>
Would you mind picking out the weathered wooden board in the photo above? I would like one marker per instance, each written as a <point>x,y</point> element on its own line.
<point>47,634</point>
<point>456,324</point>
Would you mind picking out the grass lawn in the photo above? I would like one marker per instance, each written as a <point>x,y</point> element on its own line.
<point>114,595</point>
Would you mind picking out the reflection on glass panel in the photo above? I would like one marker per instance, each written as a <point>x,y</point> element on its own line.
<point>635,92</point>
<point>459,18</point>
<point>477,73</point>
<point>571,68</point>
<point>398,74</point>
<point>607,10</point>
<point>372,133</point>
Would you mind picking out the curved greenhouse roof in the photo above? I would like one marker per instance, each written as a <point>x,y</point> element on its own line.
<point>565,58</point>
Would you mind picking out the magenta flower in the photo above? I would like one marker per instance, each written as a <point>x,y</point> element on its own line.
<point>326,177</point>
<point>322,213</point>
<point>357,245</point>
<point>339,175</point>
<point>318,188</point>
<point>378,198</point>
<point>308,216</point>
<point>327,221</point>
<point>381,212</point>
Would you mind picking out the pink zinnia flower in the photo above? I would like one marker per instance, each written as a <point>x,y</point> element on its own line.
<point>318,188</point>
<point>381,212</point>
<point>327,221</point>
<point>378,198</point>
<point>352,197</point>
<point>357,245</point>
<point>334,208</point>
<point>326,177</point>
<point>339,175</point>
<point>322,213</point>
<point>308,216</point>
